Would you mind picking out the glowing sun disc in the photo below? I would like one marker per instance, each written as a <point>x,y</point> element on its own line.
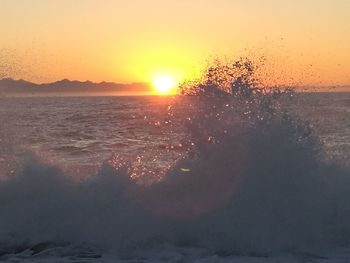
<point>164,84</point>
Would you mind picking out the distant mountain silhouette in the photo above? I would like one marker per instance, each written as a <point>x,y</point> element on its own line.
<point>65,86</point>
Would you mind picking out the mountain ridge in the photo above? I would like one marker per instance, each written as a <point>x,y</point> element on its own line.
<point>20,86</point>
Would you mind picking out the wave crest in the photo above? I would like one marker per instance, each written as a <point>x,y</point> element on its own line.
<point>253,180</point>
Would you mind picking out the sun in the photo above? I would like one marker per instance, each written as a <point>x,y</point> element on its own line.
<point>164,85</point>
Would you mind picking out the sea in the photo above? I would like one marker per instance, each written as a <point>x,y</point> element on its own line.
<point>160,179</point>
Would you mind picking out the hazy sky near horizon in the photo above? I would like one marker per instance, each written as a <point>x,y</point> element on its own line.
<point>308,41</point>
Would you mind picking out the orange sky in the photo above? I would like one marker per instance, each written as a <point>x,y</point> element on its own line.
<point>305,41</point>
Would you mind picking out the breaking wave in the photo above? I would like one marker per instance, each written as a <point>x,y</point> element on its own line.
<point>253,180</point>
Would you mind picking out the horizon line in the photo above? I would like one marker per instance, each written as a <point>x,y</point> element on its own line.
<point>150,84</point>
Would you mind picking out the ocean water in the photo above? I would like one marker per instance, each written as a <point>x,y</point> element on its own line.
<point>166,179</point>
<point>80,133</point>
<point>327,114</point>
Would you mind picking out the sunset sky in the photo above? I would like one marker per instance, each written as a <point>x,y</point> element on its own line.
<point>308,41</point>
